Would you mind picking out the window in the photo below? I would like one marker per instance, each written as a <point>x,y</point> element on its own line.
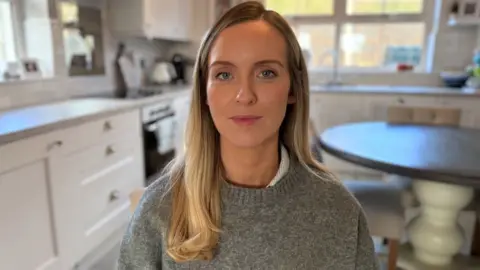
<point>358,34</point>
<point>7,38</point>
<point>26,40</point>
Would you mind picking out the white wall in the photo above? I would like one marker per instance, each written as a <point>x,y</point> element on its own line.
<point>478,38</point>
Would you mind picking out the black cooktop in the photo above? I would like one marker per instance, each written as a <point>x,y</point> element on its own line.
<point>142,93</point>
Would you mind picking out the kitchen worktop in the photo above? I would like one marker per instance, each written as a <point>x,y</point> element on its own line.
<point>394,89</point>
<point>22,123</point>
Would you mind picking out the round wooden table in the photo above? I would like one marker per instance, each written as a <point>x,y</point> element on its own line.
<point>444,163</point>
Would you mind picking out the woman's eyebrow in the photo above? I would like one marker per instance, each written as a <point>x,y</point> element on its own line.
<point>261,62</point>
<point>221,63</point>
<point>269,61</point>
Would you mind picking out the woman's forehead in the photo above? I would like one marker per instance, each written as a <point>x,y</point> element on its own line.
<point>249,41</point>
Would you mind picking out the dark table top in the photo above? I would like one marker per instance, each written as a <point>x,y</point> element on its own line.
<point>444,154</point>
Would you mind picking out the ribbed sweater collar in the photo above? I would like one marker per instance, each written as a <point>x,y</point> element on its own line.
<point>243,195</point>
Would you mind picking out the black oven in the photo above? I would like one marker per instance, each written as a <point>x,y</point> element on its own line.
<point>159,125</point>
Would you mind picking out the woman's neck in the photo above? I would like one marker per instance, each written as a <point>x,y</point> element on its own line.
<point>250,167</point>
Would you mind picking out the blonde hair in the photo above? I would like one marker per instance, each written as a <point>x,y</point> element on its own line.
<point>195,219</point>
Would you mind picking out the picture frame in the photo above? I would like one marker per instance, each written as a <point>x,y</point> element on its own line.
<point>469,9</point>
<point>30,68</point>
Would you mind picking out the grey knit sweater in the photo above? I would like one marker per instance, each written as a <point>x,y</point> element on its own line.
<point>302,222</point>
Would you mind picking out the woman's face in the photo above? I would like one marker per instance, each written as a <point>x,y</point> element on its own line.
<point>248,83</point>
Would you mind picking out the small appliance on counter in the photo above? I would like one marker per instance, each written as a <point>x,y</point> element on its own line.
<point>163,72</point>
<point>180,64</point>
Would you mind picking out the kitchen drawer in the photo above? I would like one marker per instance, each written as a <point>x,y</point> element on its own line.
<point>82,136</point>
<point>68,140</point>
<point>91,163</point>
<point>90,191</point>
<point>105,205</point>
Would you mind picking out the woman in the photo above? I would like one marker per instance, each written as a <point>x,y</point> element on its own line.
<point>248,194</point>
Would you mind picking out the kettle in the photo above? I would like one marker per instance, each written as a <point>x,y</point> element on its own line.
<point>163,72</point>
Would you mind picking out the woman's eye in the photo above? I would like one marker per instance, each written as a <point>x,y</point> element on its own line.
<point>223,76</point>
<point>268,74</point>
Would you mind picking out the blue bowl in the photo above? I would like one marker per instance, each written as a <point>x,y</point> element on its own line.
<point>456,81</point>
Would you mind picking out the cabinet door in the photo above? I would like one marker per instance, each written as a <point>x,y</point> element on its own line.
<point>168,19</point>
<point>127,18</point>
<point>328,110</point>
<point>27,238</point>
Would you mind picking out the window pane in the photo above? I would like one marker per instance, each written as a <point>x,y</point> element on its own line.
<point>69,12</point>
<point>381,45</point>
<point>301,7</point>
<point>317,42</point>
<point>7,43</point>
<point>384,6</point>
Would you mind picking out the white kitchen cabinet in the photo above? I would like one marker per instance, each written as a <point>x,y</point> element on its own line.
<point>154,19</point>
<point>27,239</point>
<point>329,110</point>
<point>90,190</point>
<point>64,193</point>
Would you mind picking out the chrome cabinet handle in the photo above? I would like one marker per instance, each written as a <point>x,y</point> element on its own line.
<point>54,144</point>
<point>107,126</point>
<point>114,195</point>
<point>109,151</point>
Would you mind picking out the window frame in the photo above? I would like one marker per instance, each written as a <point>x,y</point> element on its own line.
<point>17,31</point>
<point>340,17</point>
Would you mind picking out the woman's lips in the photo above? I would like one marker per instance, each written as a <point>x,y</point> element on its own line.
<point>245,119</point>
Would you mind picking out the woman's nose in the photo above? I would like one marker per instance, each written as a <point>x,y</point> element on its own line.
<point>246,94</point>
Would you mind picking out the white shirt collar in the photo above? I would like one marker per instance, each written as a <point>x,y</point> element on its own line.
<point>283,167</point>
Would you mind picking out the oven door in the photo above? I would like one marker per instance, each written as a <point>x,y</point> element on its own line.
<point>159,144</point>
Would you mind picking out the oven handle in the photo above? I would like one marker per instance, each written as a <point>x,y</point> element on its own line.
<point>155,121</point>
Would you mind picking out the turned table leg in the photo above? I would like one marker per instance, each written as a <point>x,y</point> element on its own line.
<point>435,234</point>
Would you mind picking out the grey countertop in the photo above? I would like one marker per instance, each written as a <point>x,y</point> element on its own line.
<point>26,122</point>
<point>394,89</point>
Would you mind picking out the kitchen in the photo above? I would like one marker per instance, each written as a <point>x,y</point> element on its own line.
<point>92,174</point>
